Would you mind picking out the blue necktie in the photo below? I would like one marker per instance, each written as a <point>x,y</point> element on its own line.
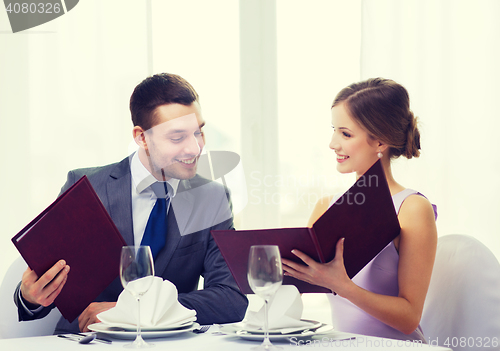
<point>156,228</point>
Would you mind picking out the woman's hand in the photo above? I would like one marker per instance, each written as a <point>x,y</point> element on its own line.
<point>331,275</point>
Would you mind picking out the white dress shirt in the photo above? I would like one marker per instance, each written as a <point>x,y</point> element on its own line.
<point>143,197</point>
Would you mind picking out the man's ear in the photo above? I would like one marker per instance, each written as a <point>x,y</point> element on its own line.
<point>140,137</point>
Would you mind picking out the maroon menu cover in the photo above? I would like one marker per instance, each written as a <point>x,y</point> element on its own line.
<point>77,228</point>
<point>364,215</point>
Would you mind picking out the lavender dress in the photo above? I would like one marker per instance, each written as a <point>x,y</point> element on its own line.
<point>379,276</point>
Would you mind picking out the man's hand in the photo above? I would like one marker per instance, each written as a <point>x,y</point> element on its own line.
<point>89,316</point>
<point>44,290</point>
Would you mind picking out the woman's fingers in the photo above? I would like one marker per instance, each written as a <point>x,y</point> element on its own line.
<point>306,259</point>
<point>339,250</point>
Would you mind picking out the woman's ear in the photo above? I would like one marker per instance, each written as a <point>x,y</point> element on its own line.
<point>382,147</point>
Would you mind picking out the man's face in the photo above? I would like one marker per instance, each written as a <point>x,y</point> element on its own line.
<point>171,148</point>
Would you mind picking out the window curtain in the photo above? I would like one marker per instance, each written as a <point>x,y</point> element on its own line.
<point>446,54</point>
<point>65,88</point>
<point>64,93</point>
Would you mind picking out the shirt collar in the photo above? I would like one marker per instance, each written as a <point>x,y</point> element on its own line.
<point>142,179</point>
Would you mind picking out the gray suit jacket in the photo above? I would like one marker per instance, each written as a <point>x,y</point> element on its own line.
<point>199,206</point>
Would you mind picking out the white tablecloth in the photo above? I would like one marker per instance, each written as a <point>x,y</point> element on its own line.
<point>213,341</point>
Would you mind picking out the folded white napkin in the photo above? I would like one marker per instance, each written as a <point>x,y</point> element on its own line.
<point>159,308</point>
<point>285,310</point>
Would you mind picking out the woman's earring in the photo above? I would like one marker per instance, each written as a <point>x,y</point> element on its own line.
<point>380,154</point>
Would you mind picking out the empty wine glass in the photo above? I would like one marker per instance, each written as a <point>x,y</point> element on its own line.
<point>265,275</point>
<point>136,275</point>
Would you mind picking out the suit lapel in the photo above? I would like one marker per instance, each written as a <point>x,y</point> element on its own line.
<point>183,204</point>
<point>119,193</point>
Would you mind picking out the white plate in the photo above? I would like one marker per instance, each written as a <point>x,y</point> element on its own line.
<point>311,325</point>
<point>231,330</point>
<point>128,327</point>
<point>129,334</point>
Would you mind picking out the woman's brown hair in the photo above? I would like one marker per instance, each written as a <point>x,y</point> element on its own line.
<point>382,107</point>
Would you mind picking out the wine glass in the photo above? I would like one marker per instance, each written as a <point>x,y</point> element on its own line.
<point>136,275</point>
<point>265,275</point>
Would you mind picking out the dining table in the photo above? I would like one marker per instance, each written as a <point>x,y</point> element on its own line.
<point>213,338</point>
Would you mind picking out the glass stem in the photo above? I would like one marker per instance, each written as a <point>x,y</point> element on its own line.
<point>266,321</point>
<point>139,318</point>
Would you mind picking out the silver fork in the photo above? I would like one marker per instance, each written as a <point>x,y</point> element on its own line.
<point>203,329</point>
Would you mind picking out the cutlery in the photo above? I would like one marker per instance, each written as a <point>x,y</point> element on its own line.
<point>85,338</point>
<point>306,332</point>
<point>67,337</point>
<point>346,339</point>
<point>286,331</point>
<point>97,338</point>
<point>203,329</point>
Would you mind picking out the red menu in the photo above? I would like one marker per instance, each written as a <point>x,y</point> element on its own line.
<point>364,215</point>
<point>77,228</point>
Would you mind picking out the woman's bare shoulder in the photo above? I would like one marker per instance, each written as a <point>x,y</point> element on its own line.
<point>416,214</point>
<point>416,205</point>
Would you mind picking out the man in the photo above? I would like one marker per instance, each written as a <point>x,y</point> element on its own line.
<point>168,130</point>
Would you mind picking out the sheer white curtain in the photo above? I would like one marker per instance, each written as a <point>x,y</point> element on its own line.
<point>446,53</point>
<point>318,54</point>
<point>64,92</point>
<point>65,88</point>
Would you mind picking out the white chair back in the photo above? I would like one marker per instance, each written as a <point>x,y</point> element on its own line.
<point>462,308</point>
<point>10,327</point>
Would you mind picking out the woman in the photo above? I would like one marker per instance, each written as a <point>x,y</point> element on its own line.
<point>372,120</point>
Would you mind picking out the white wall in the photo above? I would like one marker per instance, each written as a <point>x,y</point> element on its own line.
<point>65,86</point>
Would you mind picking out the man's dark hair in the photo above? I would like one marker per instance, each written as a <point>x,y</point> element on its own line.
<point>157,90</point>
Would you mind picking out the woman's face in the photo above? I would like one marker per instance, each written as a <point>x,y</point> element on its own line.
<point>356,150</point>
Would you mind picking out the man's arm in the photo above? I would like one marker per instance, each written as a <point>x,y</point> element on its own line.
<point>26,311</point>
<point>221,301</point>
<point>34,297</point>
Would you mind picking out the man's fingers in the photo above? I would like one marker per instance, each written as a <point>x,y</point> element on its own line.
<point>53,295</point>
<point>89,315</point>
<point>48,276</point>
<point>52,290</point>
<point>83,319</point>
<point>45,290</point>
<point>29,276</point>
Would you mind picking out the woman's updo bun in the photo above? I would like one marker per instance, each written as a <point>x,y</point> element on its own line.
<point>412,138</point>
<point>382,107</point>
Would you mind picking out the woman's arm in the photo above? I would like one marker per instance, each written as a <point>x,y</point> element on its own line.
<point>417,248</point>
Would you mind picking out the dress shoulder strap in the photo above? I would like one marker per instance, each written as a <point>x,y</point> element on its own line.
<point>400,197</point>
